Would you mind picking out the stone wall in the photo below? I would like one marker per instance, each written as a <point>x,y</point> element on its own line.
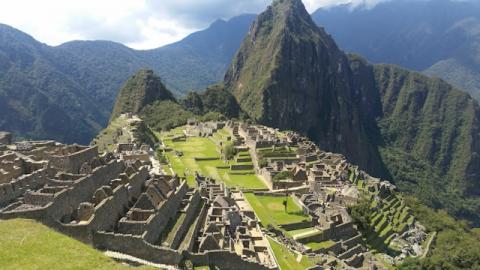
<point>297,225</point>
<point>187,222</point>
<point>224,260</point>
<point>72,162</point>
<point>137,247</point>
<point>199,223</point>
<point>167,211</point>
<point>16,188</point>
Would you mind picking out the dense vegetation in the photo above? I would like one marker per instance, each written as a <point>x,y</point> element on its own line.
<point>429,133</point>
<point>455,247</point>
<point>165,115</point>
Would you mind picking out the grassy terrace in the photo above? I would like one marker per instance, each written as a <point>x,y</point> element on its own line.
<point>287,259</point>
<point>215,167</point>
<point>270,210</point>
<point>319,245</point>
<point>105,138</point>
<point>25,244</point>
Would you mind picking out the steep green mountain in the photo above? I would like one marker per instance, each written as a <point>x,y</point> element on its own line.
<point>143,89</point>
<point>440,37</point>
<point>144,94</point>
<point>420,132</point>
<point>289,74</point>
<point>67,92</point>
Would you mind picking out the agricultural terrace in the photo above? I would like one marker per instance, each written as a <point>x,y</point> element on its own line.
<point>203,155</point>
<point>389,216</point>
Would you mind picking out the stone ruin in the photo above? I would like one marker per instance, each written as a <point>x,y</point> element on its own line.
<point>116,202</point>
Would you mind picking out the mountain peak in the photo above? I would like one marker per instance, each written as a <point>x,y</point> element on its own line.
<point>140,90</point>
<point>289,73</point>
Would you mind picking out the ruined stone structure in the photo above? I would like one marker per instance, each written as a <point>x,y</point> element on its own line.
<point>230,226</point>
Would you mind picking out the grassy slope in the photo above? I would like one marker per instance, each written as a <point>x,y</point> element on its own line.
<point>25,244</point>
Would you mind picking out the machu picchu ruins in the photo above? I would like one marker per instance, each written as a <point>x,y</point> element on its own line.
<point>176,198</point>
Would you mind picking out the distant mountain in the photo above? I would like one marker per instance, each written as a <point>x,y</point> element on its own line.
<point>438,37</point>
<point>142,89</point>
<point>67,92</point>
<point>38,96</point>
<point>418,131</point>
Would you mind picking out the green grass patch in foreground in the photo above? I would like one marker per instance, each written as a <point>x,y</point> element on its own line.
<point>25,244</point>
<point>287,259</point>
<point>270,210</point>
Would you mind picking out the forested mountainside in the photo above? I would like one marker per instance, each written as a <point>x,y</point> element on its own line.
<point>49,92</point>
<point>438,37</point>
<point>420,132</point>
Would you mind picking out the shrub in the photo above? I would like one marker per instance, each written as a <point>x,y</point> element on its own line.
<point>283,175</point>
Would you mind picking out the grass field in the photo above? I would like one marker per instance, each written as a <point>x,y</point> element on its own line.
<point>270,210</point>
<point>25,244</point>
<point>287,259</point>
<point>199,147</point>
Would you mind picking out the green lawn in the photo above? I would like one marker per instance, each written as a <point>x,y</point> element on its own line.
<point>287,259</point>
<point>318,245</point>
<point>270,210</point>
<point>196,147</point>
<point>25,244</point>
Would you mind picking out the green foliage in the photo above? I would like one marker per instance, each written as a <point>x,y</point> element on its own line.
<point>361,213</point>
<point>161,157</point>
<point>213,99</point>
<point>212,116</point>
<point>428,131</point>
<point>283,175</point>
<point>229,151</point>
<point>165,115</point>
<point>263,162</point>
<point>455,247</point>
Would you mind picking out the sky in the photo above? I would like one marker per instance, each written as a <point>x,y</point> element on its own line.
<point>139,24</point>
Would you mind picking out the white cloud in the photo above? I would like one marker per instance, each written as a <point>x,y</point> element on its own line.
<point>139,24</point>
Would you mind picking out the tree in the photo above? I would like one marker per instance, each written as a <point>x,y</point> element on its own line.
<point>229,151</point>
<point>361,213</point>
